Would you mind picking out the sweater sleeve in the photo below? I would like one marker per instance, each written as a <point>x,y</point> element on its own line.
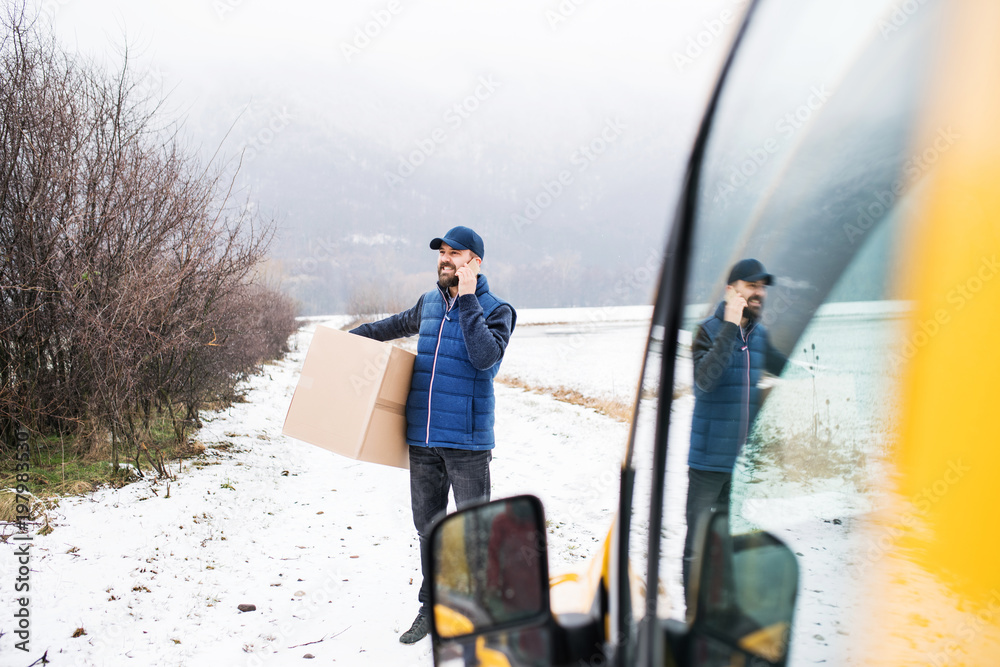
<point>485,338</point>
<point>710,357</point>
<point>776,361</point>
<point>400,325</point>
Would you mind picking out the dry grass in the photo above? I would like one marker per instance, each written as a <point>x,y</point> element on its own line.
<point>37,507</point>
<point>75,466</point>
<point>190,449</point>
<point>8,504</point>
<point>616,408</point>
<point>76,488</point>
<point>806,458</point>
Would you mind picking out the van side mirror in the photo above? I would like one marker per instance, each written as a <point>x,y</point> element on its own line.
<point>745,601</point>
<point>490,584</point>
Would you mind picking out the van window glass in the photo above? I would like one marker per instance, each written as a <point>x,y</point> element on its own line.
<point>808,169</point>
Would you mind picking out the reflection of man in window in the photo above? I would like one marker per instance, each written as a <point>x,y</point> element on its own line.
<point>730,351</point>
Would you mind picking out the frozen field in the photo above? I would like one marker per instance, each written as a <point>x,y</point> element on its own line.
<point>323,546</point>
<point>596,351</point>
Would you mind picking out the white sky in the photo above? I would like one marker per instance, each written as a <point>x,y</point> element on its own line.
<point>547,55</point>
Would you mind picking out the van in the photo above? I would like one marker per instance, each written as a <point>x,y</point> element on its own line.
<point>853,148</point>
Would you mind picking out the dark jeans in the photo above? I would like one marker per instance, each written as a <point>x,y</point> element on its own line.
<point>705,488</point>
<point>434,470</point>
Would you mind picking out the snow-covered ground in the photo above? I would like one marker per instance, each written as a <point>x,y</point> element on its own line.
<point>324,547</point>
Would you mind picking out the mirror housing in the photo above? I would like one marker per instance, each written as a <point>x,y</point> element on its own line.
<point>490,584</point>
<point>745,597</point>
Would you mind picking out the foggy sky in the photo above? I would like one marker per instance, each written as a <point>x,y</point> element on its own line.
<point>559,130</point>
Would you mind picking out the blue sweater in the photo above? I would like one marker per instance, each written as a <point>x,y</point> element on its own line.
<point>462,342</point>
<point>728,363</point>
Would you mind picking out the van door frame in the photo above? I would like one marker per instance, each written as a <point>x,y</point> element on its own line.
<point>668,308</point>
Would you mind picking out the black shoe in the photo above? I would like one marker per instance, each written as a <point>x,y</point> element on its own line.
<point>421,625</point>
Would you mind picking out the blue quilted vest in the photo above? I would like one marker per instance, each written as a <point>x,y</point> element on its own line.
<point>723,416</point>
<point>457,398</point>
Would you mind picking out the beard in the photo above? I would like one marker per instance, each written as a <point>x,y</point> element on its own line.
<point>753,309</point>
<point>444,281</point>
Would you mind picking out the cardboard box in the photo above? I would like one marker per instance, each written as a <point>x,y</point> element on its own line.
<point>351,398</point>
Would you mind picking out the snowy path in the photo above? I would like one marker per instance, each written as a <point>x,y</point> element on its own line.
<point>323,546</point>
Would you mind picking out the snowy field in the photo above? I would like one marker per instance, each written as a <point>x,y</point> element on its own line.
<point>324,547</point>
<point>595,351</point>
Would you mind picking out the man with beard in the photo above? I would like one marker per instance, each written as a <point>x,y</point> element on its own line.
<point>464,329</point>
<point>730,351</point>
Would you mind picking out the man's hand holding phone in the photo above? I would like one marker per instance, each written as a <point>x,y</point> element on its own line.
<point>734,306</point>
<point>467,276</point>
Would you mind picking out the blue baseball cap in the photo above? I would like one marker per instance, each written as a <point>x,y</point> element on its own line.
<point>751,271</point>
<point>462,238</point>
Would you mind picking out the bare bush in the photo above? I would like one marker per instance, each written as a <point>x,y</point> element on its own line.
<point>127,285</point>
<point>374,298</point>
